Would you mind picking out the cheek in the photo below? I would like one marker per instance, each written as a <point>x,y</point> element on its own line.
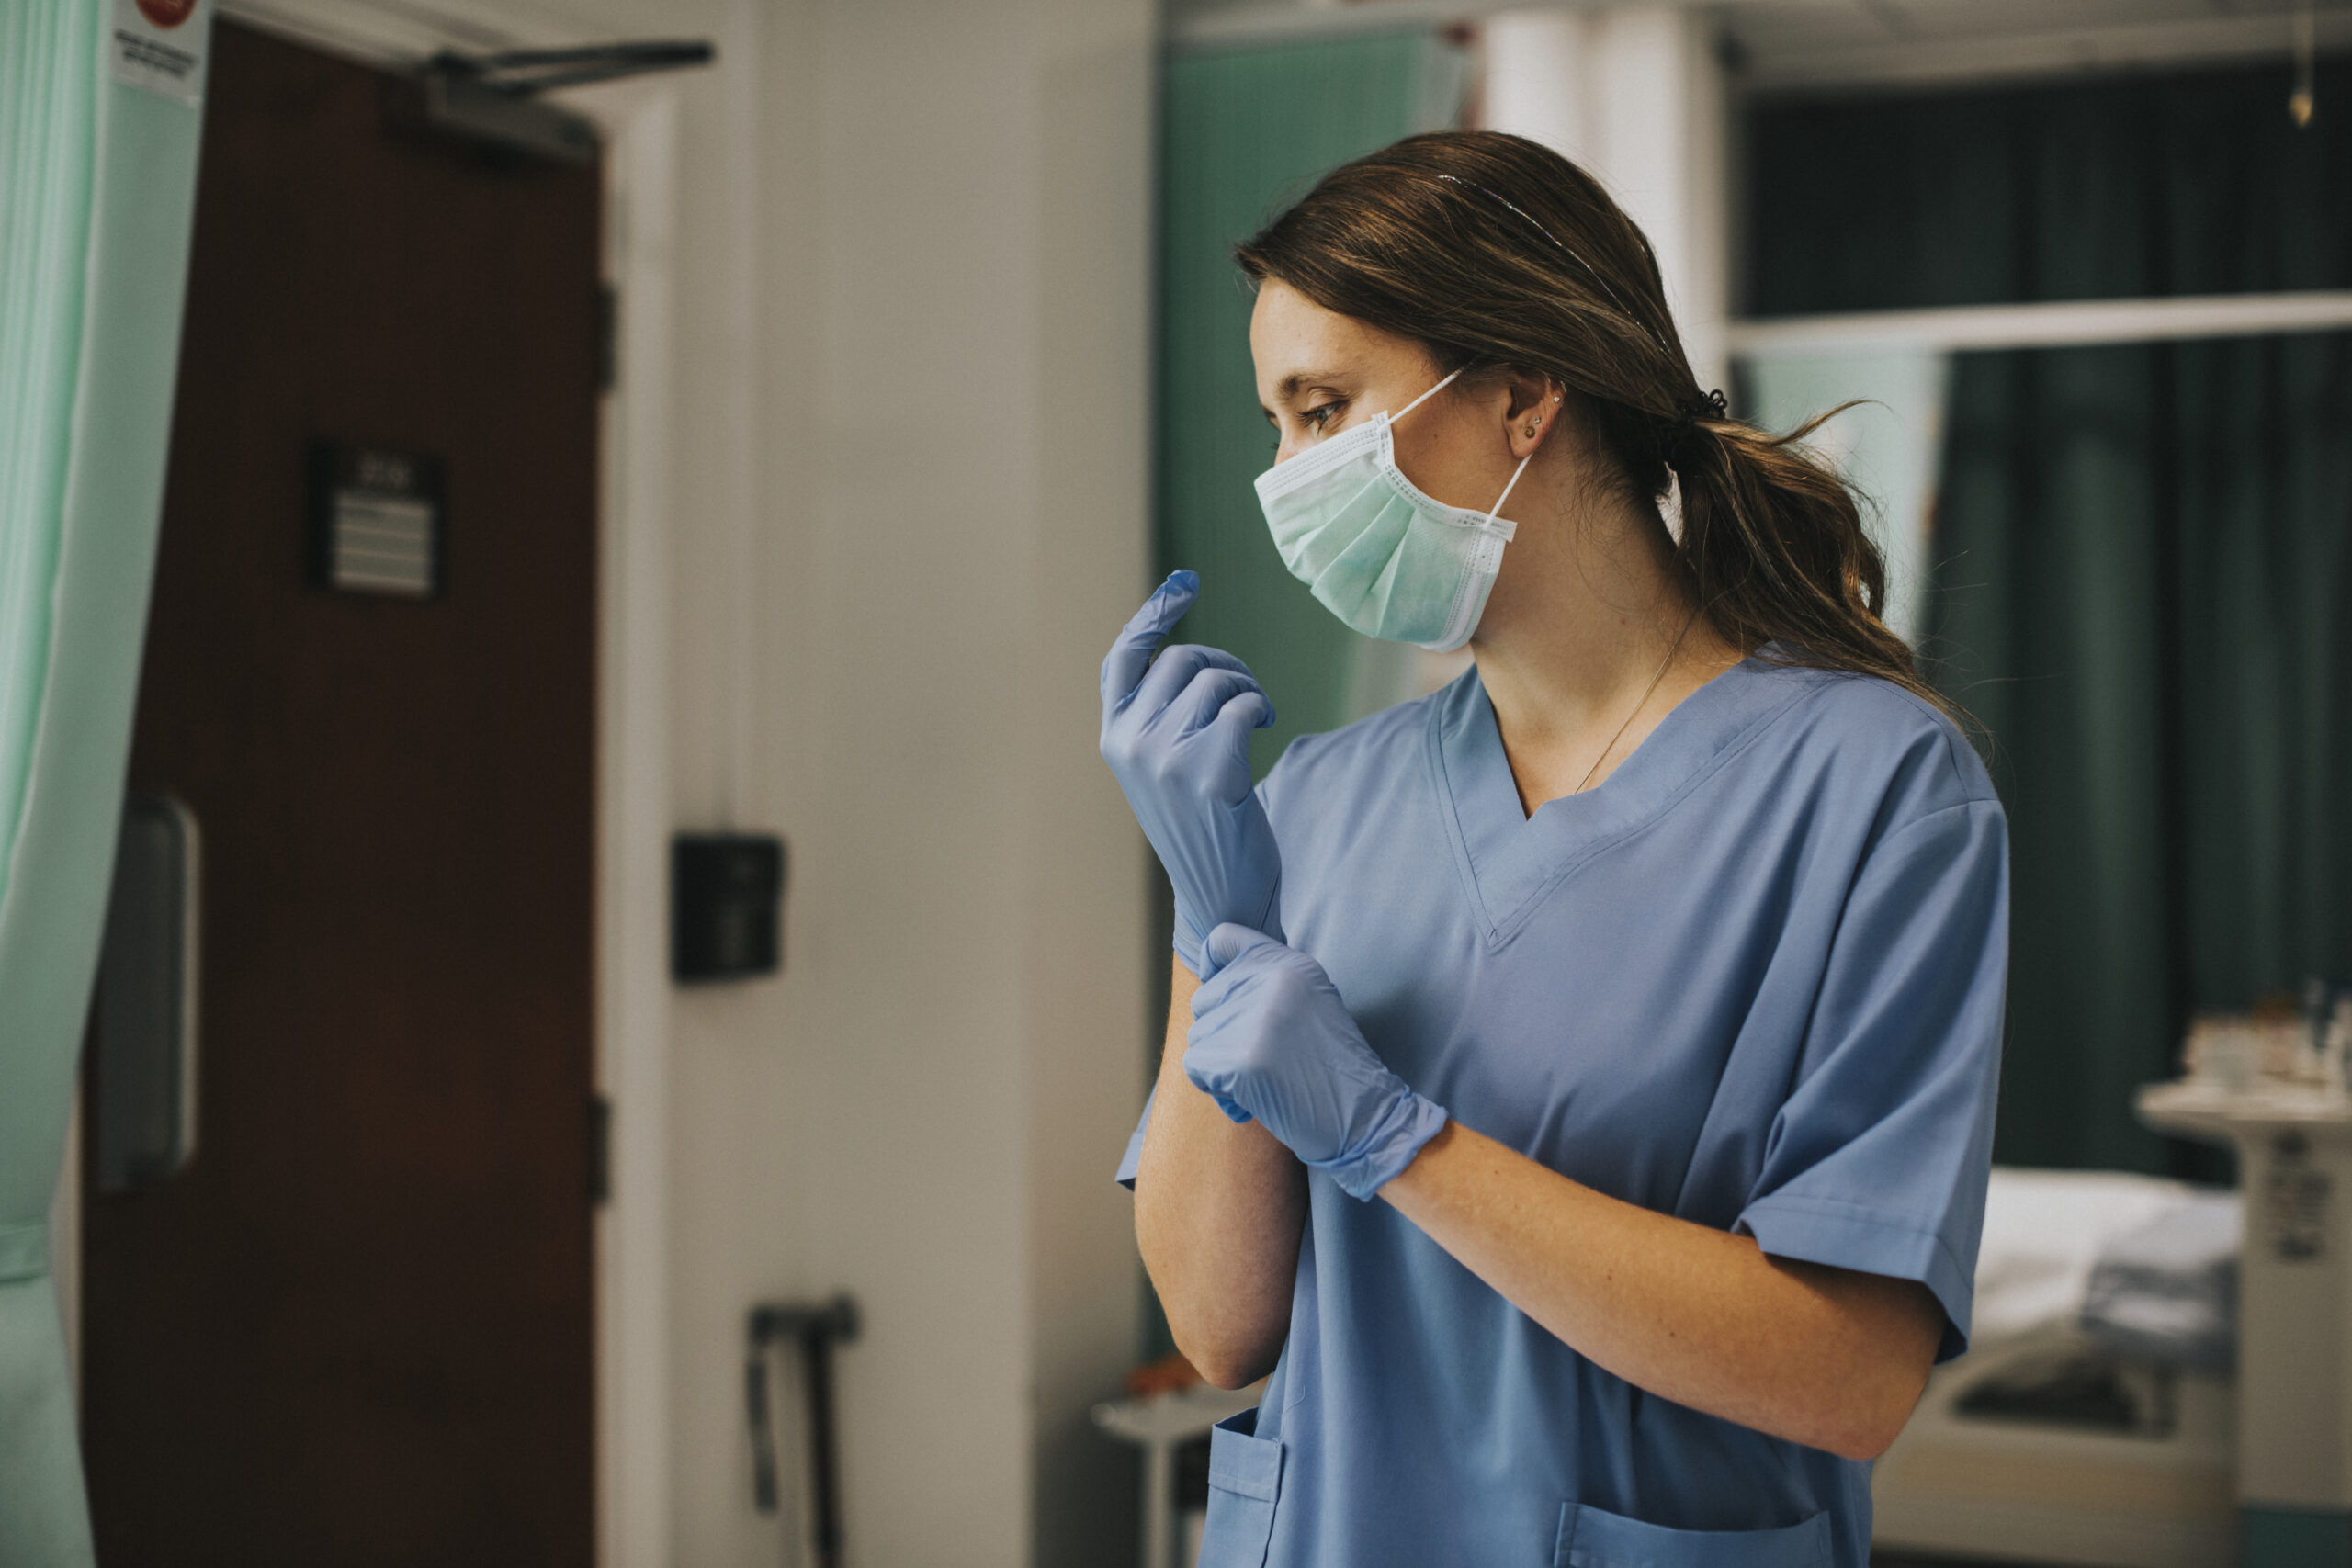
<point>1449,463</point>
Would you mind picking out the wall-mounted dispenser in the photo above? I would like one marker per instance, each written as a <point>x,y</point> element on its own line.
<point>726,906</point>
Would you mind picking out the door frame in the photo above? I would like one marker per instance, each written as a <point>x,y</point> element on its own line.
<point>631,1293</point>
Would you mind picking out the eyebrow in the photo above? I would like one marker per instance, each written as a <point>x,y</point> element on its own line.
<point>1287,387</point>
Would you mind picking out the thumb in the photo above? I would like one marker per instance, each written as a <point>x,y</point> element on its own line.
<point>1229,942</point>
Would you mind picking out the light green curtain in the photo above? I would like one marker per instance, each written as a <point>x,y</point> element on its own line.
<point>1888,447</point>
<point>98,182</point>
<point>1243,131</point>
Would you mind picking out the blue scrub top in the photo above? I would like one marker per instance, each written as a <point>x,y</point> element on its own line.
<point>1754,980</point>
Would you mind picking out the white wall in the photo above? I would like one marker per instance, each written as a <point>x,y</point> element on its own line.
<point>1636,95</point>
<point>908,506</point>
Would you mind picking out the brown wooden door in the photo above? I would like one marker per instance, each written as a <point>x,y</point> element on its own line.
<point>356,1329</point>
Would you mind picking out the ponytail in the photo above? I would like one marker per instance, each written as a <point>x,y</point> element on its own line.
<point>1773,542</point>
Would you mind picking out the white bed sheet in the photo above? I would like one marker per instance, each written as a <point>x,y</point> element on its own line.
<point>2043,1233</point>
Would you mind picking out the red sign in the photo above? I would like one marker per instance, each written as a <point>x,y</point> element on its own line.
<point>166,14</point>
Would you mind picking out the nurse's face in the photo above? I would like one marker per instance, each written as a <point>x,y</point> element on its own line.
<point>1320,372</point>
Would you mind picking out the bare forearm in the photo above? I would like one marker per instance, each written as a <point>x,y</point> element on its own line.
<point>1218,1213</point>
<point>1826,1357</point>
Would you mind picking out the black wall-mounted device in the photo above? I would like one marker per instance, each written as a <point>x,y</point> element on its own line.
<point>726,906</point>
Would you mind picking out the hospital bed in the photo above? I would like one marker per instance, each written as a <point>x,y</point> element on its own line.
<point>2092,1420</point>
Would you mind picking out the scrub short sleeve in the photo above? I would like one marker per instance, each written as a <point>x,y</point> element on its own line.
<point>1879,1158</point>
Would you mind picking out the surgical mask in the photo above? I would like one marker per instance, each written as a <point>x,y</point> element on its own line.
<point>1375,551</point>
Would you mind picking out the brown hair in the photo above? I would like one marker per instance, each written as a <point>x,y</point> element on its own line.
<point>1494,251</point>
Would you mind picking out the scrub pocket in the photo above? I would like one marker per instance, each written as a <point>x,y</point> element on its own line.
<point>1591,1539</point>
<point>1245,1480</point>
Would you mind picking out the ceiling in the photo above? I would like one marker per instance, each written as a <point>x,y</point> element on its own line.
<point>1789,45</point>
<point>1795,43</point>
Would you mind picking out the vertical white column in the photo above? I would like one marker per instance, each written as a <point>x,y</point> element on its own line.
<point>1535,79</point>
<point>634,1476</point>
<point>1636,95</point>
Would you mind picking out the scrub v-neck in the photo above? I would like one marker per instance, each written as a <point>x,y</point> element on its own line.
<point>1509,860</point>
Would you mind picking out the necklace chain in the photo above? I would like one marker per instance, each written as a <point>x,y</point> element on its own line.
<point>1647,692</point>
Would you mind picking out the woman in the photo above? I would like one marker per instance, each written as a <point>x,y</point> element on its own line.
<point>1581,1079</point>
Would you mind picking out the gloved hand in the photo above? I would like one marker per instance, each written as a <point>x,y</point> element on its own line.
<point>1271,1040</point>
<point>1177,736</point>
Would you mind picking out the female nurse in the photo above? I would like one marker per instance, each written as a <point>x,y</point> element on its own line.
<point>1579,1084</point>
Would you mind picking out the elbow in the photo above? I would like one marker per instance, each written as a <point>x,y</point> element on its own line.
<point>1227,1360</point>
<point>1229,1375</point>
<point>1230,1367</point>
<point>1864,1425</point>
<point>1864,1444</point>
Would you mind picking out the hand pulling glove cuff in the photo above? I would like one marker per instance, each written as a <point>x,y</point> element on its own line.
<point>1272,1041</point>
<point>1193,929</point>
<point>1383,1156</point>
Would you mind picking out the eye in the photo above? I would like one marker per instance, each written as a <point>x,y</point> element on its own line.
<point>1318,418</point>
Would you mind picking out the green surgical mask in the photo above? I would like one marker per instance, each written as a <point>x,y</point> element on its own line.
<point>1377,552</point>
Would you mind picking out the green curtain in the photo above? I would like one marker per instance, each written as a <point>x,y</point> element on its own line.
<point>97,179</point>
<point>2108,188</point>
<point>2141,557</point>
<point>2148,553</point>
<point>1243,131</point>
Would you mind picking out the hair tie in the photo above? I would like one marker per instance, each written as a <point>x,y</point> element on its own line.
<point>1714,405</point>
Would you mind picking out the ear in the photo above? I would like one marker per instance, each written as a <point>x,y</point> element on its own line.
<point>1536,405</point>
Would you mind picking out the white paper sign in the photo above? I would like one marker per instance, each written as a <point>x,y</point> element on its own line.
<point>159,45</point>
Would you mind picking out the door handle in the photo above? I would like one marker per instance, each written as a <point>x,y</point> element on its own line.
<point>146,1026</point>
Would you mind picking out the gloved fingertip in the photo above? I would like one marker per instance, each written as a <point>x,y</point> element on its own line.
<point>1251,709</point>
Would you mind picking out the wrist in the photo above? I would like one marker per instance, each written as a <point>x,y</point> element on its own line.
<point>1411,1124</point>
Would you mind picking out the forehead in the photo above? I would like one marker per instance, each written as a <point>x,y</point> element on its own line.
<point>1291,336</point>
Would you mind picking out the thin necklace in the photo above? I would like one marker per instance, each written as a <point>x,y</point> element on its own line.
<point>1647,692</point>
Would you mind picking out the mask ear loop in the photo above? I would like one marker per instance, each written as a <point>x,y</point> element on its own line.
<point>1493,511</point>
<point>1425,397</point>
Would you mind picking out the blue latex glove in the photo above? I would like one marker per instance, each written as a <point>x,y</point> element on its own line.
<point>1176,733</point>
<point>1271,1040</point>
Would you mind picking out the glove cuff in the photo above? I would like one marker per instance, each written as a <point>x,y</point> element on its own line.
<point>1363,1170</point>
<point>1191,941</point>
